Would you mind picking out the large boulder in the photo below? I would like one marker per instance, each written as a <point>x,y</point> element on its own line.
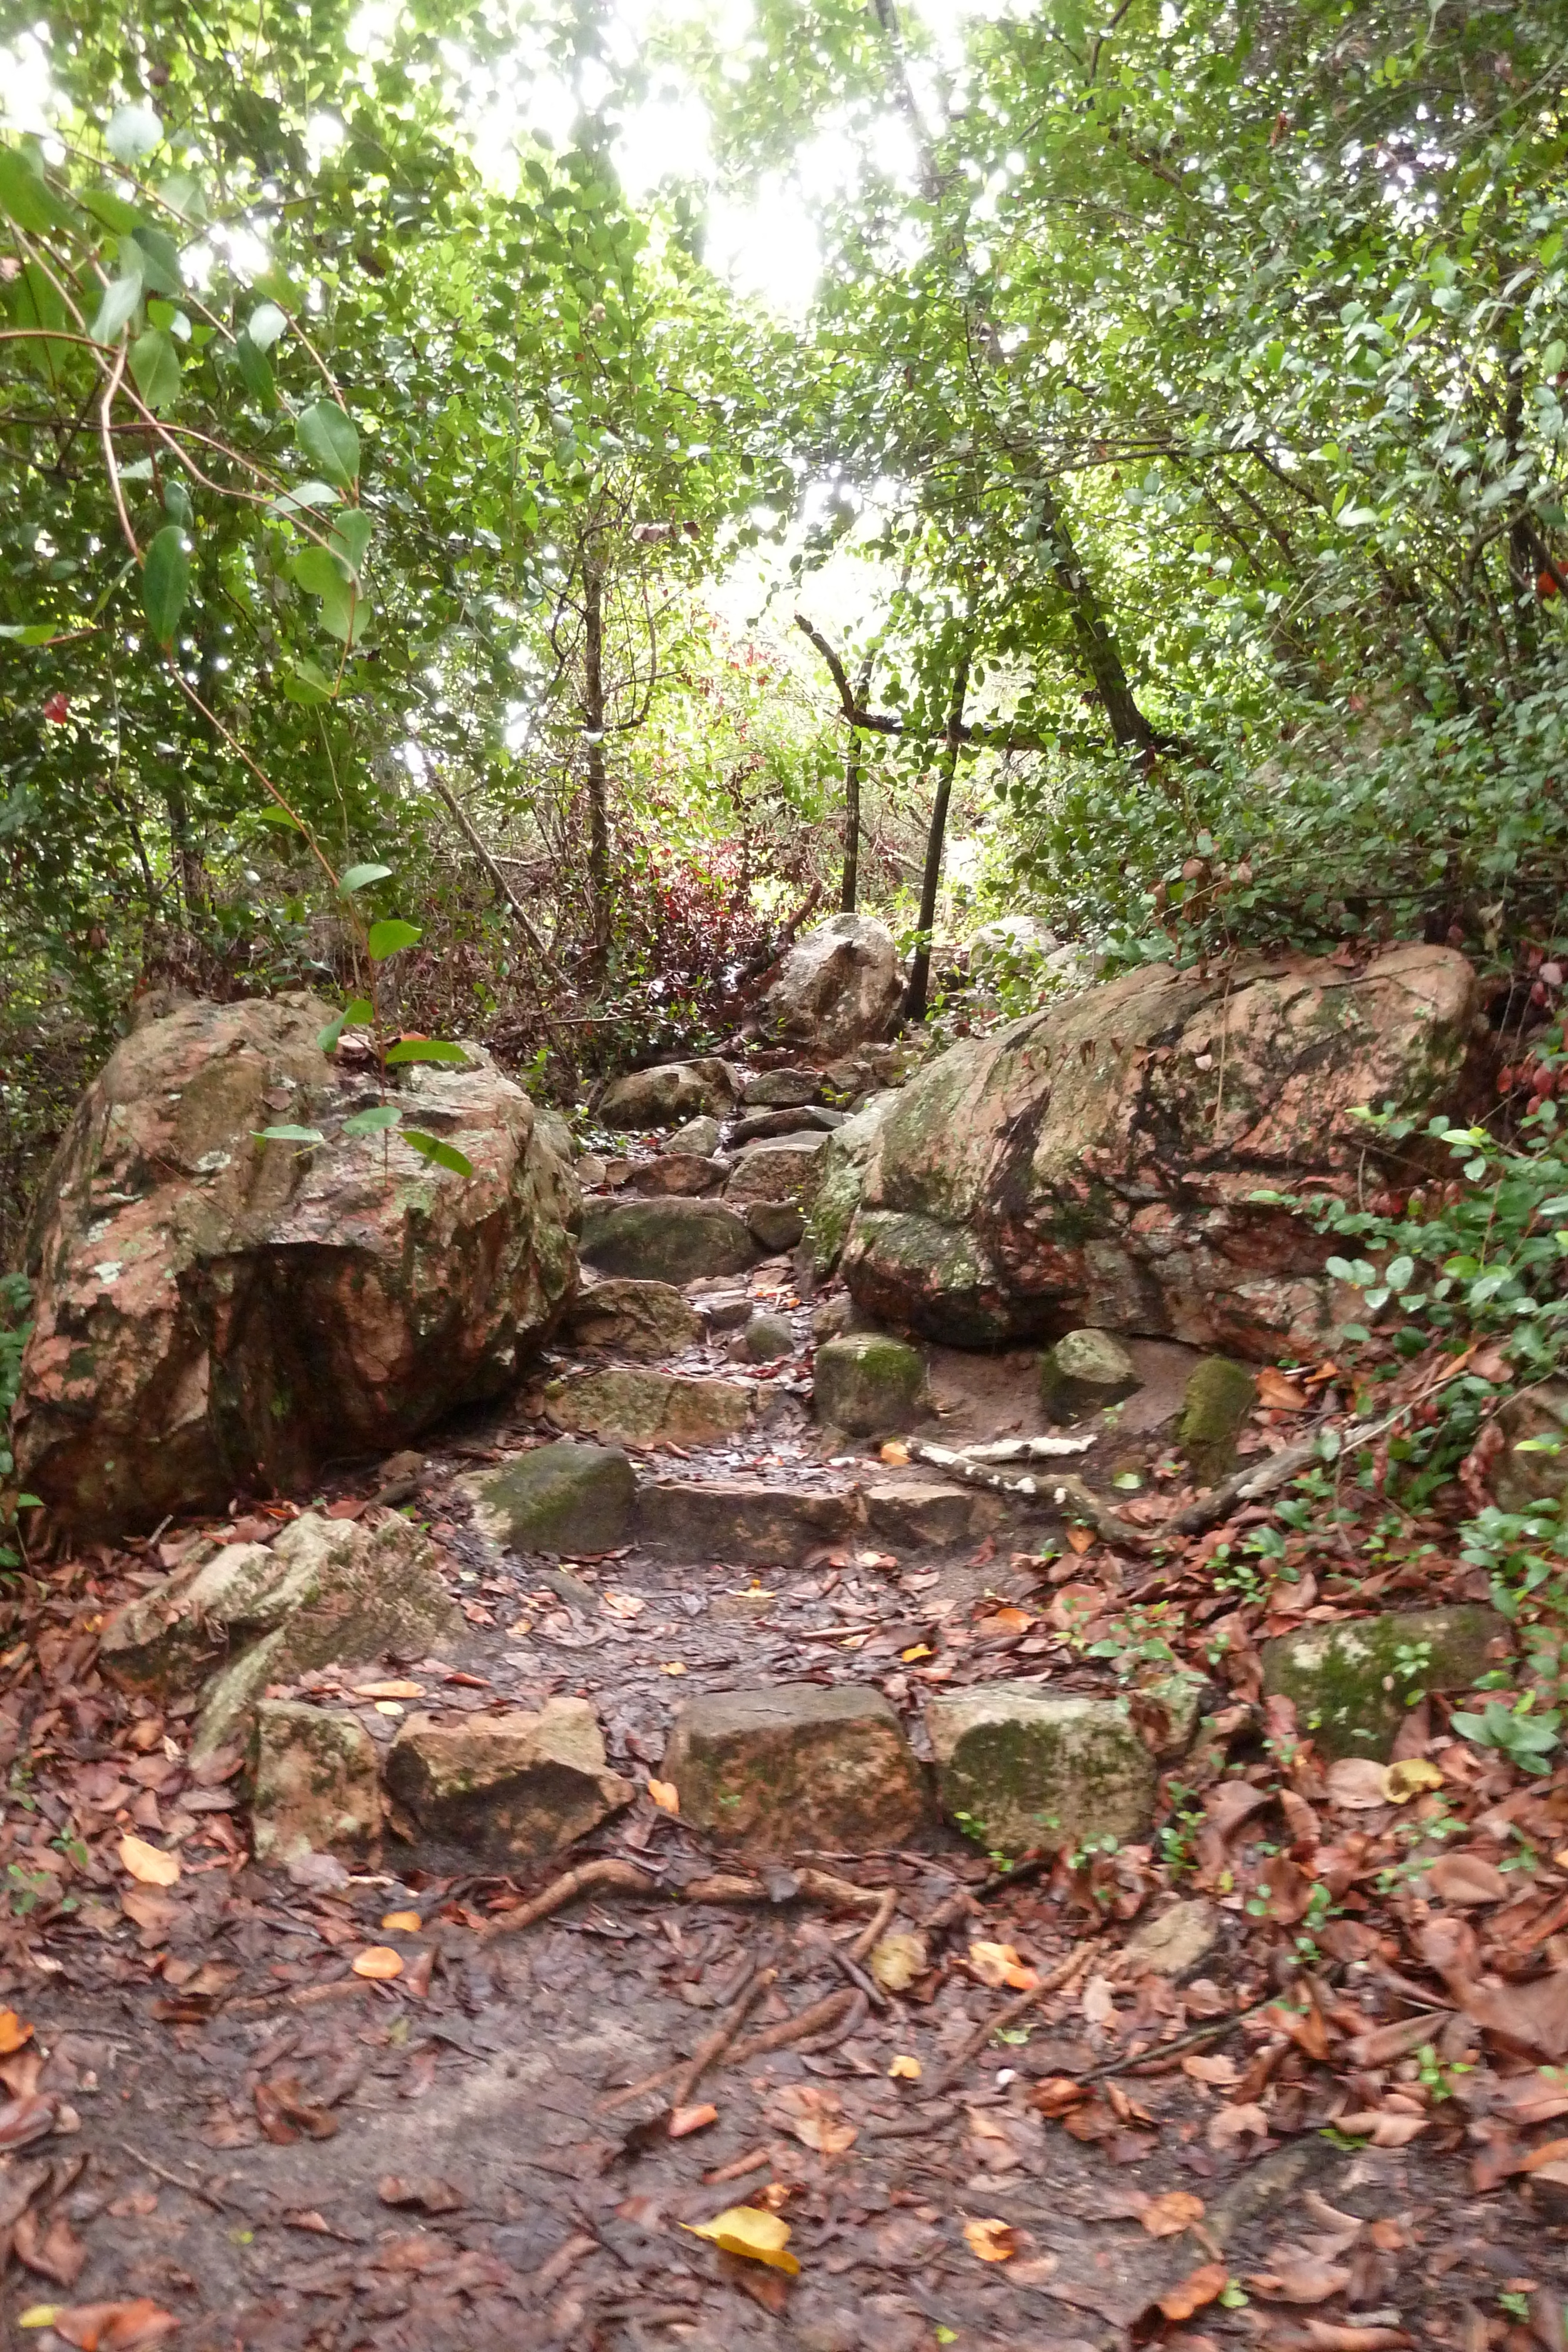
<point>841,1179</point>
<point>675,1242</point>
<point>669,1093</point>
<point>217,1314</point>
<point>1096,1163</point>
<point>837,987</point>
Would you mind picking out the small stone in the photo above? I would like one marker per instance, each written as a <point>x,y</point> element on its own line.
<point>1220,1396</point>
<point>1353,1683</point>
<point>1018,1770</point>
<point>741,1521</point>
<point>699,1136</point>
<point>726,1310</point>
<point>316,1786</point>
<point>785,1168</point>
<point>665,1240</point>
<point>869,1385</point>
<point>648,1408</point>
<point>833,1315</point>
<point>1536,1419</point>
<point>780,1089</point>
<point>1175,1944</point>
<point>669,1092</point>
<point>810,1117</point>
<point>1083,1373</point>
<point>577,1500</point>
<point>646,1320</point>
<point>775,1225</point>
<point>930,1514</point>
<point>796,1768</point>
<point>766,1338</point>
<point>510,1787</point>
<point>592,1170</point>
<point>678,1175</point>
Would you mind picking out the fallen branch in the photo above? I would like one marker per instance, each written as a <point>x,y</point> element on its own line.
<point>877,1925</point>
<point>622,1875</point>
<point>1058,1980</point>
<point>1027,1449</point>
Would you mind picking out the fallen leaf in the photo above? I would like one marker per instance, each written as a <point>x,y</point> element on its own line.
<point>999,1964</point>
<point>897,1960</point>
<point>1300,2280</point>
<point>1214,2068</point>
<point>1098,2001</point>
<point>1385,2127</point>
<point>895,1454</point>
<point>1279,1393</point>
<point>1410,1778</point>
<point>1199,2288</point>
<point>623,1605</point>
<point>1176,2210</point>
<point>24,2120</point>
<point>1058,2095</point>
<point>429,2196</point>
<point>379,1962</point>
<point>742,2229</point>
<point>684,2121</point>
<point>1533,2017</point>
<point>1552,2151</point>
<point>993,2241</point>
<point>51,2248</point>
<point>402,1923</point>
<point>670,1666</point>
<point>905,2069</point>
<point>111,2327</point>
<point>815,2117</point>
<point>667,1797</point>
<point>391,1689</point>
<point>1227,2125</point>
<point>1465,1878</point>
<point>1334,2337</point>
<point>149,1863</point>
<point>917,1650</point>
<point>1080,1539</point>
<point>1035,2271</point>
<point>12,2033</point>
<point>1355,1784</point>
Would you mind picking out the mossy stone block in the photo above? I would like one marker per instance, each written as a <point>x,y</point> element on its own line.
<point>869,1385</point>
<point>1352,1683</point>
<point>796,1768</point>
<point>577,1500</point>
<point>1083,1373</point>
<point>1220,1396</point>
<point>1018,1770</point>
<point>316,1786</point>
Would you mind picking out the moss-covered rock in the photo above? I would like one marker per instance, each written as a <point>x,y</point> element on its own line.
<point>645,1321</point>
<point>666,1241</point>
<point>314,1782</point>
<point>700,1136</point>
<point>766,1340</point>
<point>648,1408</point>
<point>1084,1372</point>
<point>577,1500</point>
<point>669,1092</point>
<point>1220,1396</point>
<point>931,1276</point>
<point>1018,1770</point>
<point>796,1770</point>
<point>1533,1465</point>
<point>782,1168</point>
<point>167,1641</point>
<point>1352,1683</point>
<point>869,1385</point>
<point>916,1514</point>
<point>506,1787</point>
<point>839,1182</point>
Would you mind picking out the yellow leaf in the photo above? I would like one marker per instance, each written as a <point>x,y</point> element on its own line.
<point>895,1454</point>
<point>921,1650</point>
<point>905,2069</point>
<point>402,1923</point>
<point>742,2229</point>
<point>666,1795</point>
<point>999,1964</point>
<point>897,1960</point>
<point>994,2241</point>
<point>670,1666</point>
<point>40,2315</point>
<point>379,1962</point>
<point>12,2033</point>
<point>399,1689</point>
<point>148,1863</point>
<point>1409,1777</point>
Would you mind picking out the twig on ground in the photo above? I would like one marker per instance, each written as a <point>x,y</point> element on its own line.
<point>854,2017</point>
<point>876,1926</point>
<point>192,2188</point>
<point>1057,1981</point>
<point>859,1978</point>
<point>708,2052</point>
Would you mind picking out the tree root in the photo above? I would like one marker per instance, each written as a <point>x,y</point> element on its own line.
<point>1071,1969</point>
<point>821,2016</point>
<point>707,2054</point>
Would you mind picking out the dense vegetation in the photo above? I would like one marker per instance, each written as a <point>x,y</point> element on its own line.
<point>1187,377</point>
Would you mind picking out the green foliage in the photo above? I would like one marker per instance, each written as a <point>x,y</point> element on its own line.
<point>15,1298</point>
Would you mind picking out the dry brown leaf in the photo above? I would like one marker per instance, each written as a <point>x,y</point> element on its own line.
<point>1245,2120</point>
<point>148,1864</point>
<point>49,2246</point>
<point>1300,2279</point>
<point>1200,2287</point>
<point>993,2240</point>
<point>1533,2098</point>
<point>1098,2001</point>
<point>1550,2151</point>
<point>999,1964</point>
<point>379,1962</point>
<point>816,2117</point>
<point>1465,1878</point>
<point>667,1797</point>
<point>897,1960</point>
<point>895,1454</point>
<point>113,2327</point>
<point>1279,1393</point>
<point>1166,2216</point>
<point>1035,2270</point>
<point>1333,2336</point>
<point>394,1689</point>
<point>905,2069</point>
<point>1214,2068</point>
<point>1532,2016</point>
<point>1385,2127</point>
<point>1355,1784</point>
<point>1058,2095</point>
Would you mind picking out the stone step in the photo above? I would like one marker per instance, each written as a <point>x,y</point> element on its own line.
<point>743,1520</point>
<point>626,1406</point>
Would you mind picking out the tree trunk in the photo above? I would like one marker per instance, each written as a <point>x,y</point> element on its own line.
<point>1128,726</point>
<point>920,968</point>
<point>593,733</point>
<point>851,889</point>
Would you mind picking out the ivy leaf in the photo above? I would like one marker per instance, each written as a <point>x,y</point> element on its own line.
<point>155,366</point>
<point>430,1146</point>
<point>133,130</point>
<point>165,583</point>
<point>426,1049</point>
<point>374,1121</point>
<point>329,439</point>
<point>359,877</point>
<point>387,936</point>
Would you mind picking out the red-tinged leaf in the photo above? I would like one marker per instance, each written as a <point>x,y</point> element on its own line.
<point>51,2248</point>
<point>1167,2216</point>
<point>1200,2287</point>
<point>686,2120</point>
<point>1465,1878</point>
<point>1299,2280</point>
<point>26,2120</point>
<point>114,2326</point>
